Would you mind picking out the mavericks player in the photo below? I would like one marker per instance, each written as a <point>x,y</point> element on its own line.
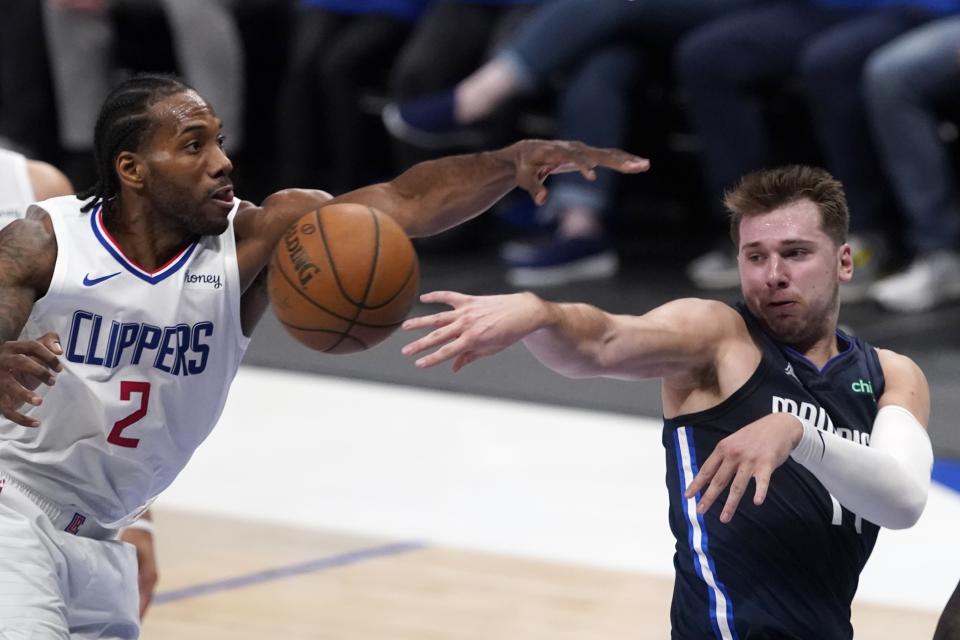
<point>768,395</point>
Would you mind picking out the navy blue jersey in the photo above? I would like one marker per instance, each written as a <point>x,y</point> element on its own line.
<point>788,568</point>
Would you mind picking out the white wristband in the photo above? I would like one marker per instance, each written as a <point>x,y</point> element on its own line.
<point>141,525</point>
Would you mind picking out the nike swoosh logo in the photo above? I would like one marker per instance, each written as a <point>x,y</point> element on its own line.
<point>89,282</point>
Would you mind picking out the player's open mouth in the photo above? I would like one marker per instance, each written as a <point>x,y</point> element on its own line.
<point>224,194</point>
<point>223,198</point>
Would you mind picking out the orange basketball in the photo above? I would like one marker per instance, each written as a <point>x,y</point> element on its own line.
<point>343,278</point>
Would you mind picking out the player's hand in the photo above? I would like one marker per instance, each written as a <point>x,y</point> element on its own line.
<point>146,564</point>
<point>476,326</point>
<point>754,451</point>
<point>536,159</point>
<point>24,366</point>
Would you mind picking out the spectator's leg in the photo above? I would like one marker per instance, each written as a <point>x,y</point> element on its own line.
<point>594,108</point>
<point>351,63</point>
<point>27,116</point>
<point>831,67</point>
<point>80,44</point>
<point>446,44</point>
<point>449,41</point>
<point>210,53</point>
<point>904,81</point>
<point>299,118</point>
<point>722,68</point>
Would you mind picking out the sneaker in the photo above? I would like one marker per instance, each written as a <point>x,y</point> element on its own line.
<point>560,261</point>
<point>927,282</point>
<point>429,123</point>
<point>869,258</point>
<point>716,269</point>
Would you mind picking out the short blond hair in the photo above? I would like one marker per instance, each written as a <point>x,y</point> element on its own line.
<point>764,191</point>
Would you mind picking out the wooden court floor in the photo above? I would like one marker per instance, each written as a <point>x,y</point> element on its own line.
<point>228,578</point>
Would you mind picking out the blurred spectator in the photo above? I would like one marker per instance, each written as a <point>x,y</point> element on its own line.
<point>596,43</point>
<point>337,51</point>
<point>726,67</point>
<point>24,181</point>
<point>81,38</point>
<point>27,117</point>
<point>451,39</point>
<point>906,82</point>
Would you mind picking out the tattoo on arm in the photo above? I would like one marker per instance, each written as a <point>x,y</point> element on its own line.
<point>27,257</point>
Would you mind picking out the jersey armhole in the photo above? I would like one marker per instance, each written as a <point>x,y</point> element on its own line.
<point>232,272</point>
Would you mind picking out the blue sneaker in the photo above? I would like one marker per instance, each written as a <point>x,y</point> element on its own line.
<point>428,122</point>
<point>560,261</point>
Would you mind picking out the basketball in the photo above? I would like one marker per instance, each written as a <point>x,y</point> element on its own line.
<point>343,278</point>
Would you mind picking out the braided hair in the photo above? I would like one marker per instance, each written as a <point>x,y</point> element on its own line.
<point>122,125</point>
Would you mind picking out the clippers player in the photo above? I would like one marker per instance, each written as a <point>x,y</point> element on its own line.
<point>767,399</point>
<point>132,358</point>
<point>22,182</point>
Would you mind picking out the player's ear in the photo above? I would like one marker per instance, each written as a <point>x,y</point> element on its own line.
<point>130,169</point>
<point>846,262</point>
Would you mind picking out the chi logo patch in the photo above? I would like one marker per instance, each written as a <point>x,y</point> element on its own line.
<point>862,386</point>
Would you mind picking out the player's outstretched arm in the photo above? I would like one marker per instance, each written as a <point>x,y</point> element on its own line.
<point>28,253</point>
<point>436,195</point>
<point>886,482</point>
<point>576,340</point>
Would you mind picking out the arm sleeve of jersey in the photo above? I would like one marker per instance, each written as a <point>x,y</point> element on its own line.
<point>886,483</point>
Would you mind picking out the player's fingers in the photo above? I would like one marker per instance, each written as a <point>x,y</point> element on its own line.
<point>433,339</point>
<point>532,183</point>
<point>39,351</point>
<point>51,340</point>
<point>432,321</point>
<point>451,298</point>
<point>620,160</point>
<point>762,478</point>
<point>446,352</point>
<point>18,418</point>
<point>19,363</point>
<point>737,488</point>
<point>15,394</point>
<point>719,482</point>
<point>30,382</point>
<point>704,475</point>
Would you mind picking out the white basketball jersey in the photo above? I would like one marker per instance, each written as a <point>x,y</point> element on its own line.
<point>16,191</point>
<point>148,358</point>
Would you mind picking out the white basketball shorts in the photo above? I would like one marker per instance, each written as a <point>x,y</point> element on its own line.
<point>55,585</point>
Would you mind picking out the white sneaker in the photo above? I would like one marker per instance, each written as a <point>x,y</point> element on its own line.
<point>716,269</point>
<point>927,282</point>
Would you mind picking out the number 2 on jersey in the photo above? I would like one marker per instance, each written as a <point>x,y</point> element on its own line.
<point>128,388</point>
